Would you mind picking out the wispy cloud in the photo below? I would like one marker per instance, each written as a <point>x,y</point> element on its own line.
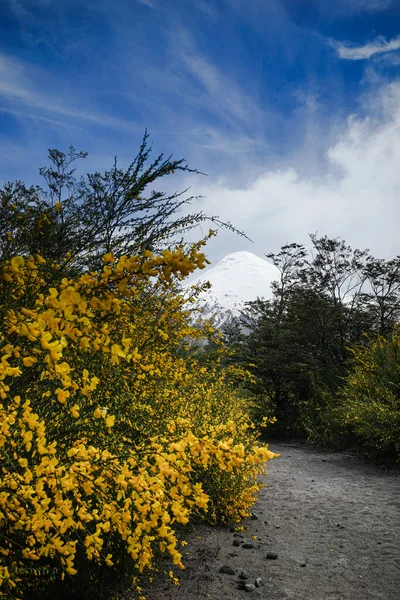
<point>351,8</point>
<point>215,109</point>
<point>369,5</point>
<point>378,46</point>
<point>20,11</point>
<point>207,8</point>
<point>148,3</point>
<point>213,139</point>
<point>223,94</point>
<point>19,88</point>
<point>35,117</point>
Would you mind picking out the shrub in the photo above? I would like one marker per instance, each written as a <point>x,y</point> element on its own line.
<point>109,437</point>
<point>318,415</point>
<point>370,409</point>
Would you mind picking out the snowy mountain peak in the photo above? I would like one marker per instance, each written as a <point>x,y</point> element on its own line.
<point>240,258</point>
<point>238,278</point>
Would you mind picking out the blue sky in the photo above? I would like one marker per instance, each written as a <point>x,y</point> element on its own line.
<point>290,106</point>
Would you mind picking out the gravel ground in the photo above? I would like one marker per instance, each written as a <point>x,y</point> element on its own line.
<point>332,520</point>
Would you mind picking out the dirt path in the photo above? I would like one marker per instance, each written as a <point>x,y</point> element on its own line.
<point>333,521</point>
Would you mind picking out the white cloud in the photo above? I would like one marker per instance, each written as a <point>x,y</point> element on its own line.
<point>378,46</point>
<point>356,199</point>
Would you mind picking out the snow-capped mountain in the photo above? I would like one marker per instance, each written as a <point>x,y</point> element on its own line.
<point>238,278</point>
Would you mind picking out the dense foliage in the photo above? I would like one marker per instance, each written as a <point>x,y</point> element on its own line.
<point>306,346</point>
<point>112,434</point>
<point>370,405</point>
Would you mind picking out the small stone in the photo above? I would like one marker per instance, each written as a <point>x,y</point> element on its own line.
<point>248,587</point>
<point>243,575</point>
<point>303,564</point>
<point>259,582</point>
<point>277,526</point>
<point>233,554</point>
<point>236,542</point>
<point>248,545</point>
<point>238,535</point>
<point>254,517</point>
<point>324,460</point>
<point>271,555</point>
<point>227,570</point>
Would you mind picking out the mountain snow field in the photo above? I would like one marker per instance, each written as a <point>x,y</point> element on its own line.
<point>238,278</point>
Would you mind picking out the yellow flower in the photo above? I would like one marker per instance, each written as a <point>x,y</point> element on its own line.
<point>62,395</point>
<point>97,413</point>
<point>72,452</point>
<point>74,411</point>
<point>29,361</point>
<point>109,421</point>
<point>17,261</point>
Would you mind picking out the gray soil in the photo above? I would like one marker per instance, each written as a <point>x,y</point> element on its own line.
<point>332,520</point>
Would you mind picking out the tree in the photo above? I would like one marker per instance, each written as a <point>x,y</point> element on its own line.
<point>383,298</point>
<point>336,272</point>
<point>290,260</point>
<point>76,221</point>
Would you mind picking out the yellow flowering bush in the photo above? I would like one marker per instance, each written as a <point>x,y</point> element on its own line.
<point>111,433</point>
